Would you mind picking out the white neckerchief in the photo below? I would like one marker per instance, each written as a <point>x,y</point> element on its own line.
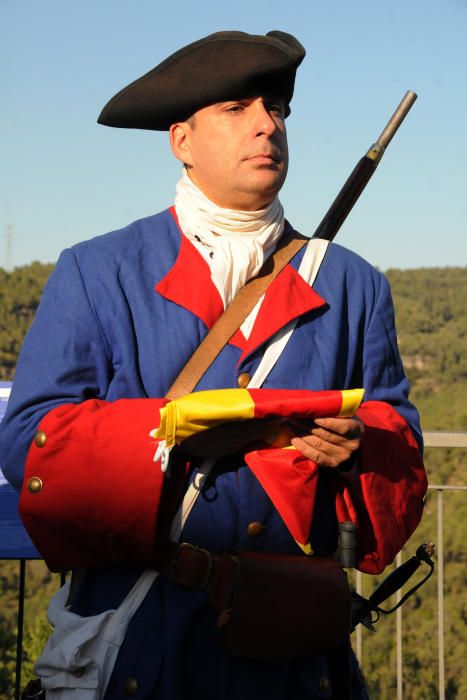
<point>244,239</point>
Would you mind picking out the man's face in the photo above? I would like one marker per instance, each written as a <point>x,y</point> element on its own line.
<point>236,151</point>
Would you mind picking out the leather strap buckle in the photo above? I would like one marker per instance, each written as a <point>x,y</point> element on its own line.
<point>191,566</point>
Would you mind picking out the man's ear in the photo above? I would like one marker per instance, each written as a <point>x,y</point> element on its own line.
<point>180,142</point>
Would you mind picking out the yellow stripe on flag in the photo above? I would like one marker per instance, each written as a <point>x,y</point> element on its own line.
<point>201,410</point>
<point>351,400</point>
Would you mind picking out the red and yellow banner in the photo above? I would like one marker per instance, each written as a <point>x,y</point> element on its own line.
<point>191,414</point>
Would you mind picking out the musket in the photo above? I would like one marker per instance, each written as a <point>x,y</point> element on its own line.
<point>367,611</point>
<point>361,174</point>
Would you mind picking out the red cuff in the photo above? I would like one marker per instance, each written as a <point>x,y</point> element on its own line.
<point>92,489</point>
<point>385,496</point>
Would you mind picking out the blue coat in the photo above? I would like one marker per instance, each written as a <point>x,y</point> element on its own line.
<point>120,316</point>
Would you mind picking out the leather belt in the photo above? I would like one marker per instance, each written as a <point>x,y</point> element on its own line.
<point>200,570</point>
<point>191,566</point>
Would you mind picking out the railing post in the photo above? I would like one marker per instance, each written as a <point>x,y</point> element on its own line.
<point>399,636</point>
<point>358,631</point>
<point>19,637</point>
<point>440,595</point>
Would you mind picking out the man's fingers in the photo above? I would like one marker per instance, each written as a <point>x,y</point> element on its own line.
<point>349,428</point>
<point>331,441</point>
<point>334,438</point>
<point>324,454</point>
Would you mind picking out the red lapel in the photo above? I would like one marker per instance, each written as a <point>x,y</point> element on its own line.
<point>188,283</point>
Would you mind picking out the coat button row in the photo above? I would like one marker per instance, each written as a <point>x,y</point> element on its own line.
<point>243,380</point>
<point>34,484</point>
<point>40,438</point>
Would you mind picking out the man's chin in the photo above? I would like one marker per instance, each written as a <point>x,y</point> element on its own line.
<point>268,187</point>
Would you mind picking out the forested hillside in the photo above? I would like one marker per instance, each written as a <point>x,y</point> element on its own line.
<point>20,291</point>
<point>432,323</point>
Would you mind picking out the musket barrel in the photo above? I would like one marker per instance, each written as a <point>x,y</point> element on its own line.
<point>397,118</point>
<point>361,174</point>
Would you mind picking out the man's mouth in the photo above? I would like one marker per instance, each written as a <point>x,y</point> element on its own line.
<point>269,157</point>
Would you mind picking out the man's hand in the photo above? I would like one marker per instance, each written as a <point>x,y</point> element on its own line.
<point>330,442</point>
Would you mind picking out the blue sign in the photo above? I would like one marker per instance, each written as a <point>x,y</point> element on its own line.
<point>15,542</point>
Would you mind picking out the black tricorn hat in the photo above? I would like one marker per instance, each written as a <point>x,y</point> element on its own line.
<point>217,68</point>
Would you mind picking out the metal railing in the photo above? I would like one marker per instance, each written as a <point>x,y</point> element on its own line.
<point>61,577</point>
<point>437,439</point>
<point>432,439</point>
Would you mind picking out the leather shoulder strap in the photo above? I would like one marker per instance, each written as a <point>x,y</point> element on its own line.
<point>234,315</point>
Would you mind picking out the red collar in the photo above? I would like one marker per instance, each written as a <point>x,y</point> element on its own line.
<point>188,284</point>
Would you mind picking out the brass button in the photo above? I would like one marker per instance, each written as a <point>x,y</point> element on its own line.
<point>34,484</point>
<point>254,529</point>
<point>223,618</point>
<point>243,380</point>
<point>131,686</point>
<point>324,684</point>
<point>40,438</point>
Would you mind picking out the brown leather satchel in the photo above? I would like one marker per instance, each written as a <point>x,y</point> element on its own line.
<point>270,606</point>
<point>282,606</point>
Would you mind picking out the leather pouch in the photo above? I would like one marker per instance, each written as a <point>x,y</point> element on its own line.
<point>275,606</point>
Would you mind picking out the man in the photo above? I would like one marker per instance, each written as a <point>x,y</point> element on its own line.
<point>120,317</point>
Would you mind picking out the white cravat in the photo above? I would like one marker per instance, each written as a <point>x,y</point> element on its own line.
<point>234,243</point>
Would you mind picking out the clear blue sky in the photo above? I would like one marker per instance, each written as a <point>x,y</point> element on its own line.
<point>64,178</point>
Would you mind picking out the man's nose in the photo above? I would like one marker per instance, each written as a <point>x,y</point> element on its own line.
<point>263,121</point>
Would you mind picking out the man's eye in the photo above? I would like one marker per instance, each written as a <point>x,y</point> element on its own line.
<point>276,109</point>
<point>234,108</point>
